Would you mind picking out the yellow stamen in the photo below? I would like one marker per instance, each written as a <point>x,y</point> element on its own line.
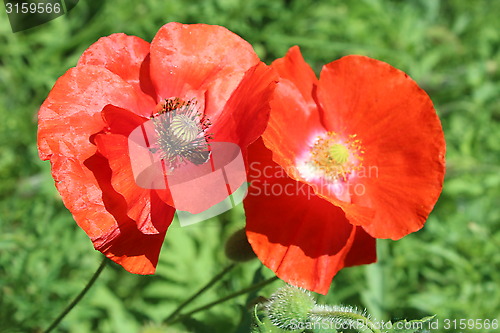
<point>335,158</point>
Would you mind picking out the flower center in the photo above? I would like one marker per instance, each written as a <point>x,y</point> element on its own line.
<point>181,133</point>
<point>338,153</point>
<point>183,128</point>
<point>334,158</point>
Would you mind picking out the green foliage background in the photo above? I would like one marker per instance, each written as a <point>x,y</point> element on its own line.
<point>451,268</point>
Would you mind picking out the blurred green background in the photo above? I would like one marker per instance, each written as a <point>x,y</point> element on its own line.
<point>450,268</point>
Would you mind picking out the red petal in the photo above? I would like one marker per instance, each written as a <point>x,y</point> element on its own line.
<point>70,115</point>
<point>246,113</point>
<point>121,121</point>
<point>203,61</point>
<point>294,121</point>
<point>293,68</point>
<point>128,57</point>
<point>302,238</point>
<point>123,242</point>
<point>136,252</point>
<point>72,111</point>
<point>144,206</point>
<point>363,250</point>
<point>401,136</point>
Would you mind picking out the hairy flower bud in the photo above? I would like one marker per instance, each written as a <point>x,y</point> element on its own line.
<point>290,306</point>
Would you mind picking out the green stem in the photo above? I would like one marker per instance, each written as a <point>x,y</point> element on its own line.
<point>223,299</point>
<point>343,315</point>
<point>201,291</point>
<point>78,297</point>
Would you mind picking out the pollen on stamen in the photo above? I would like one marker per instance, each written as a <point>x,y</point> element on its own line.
<point>181,133</point>
<point>334,158</point>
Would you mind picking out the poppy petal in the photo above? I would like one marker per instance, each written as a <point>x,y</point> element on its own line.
<point>301,237</point>
<point>70,115</point>
<point>294,119</point>
<point>246,113</point>
<point>121,121</point>
<point>128,57</point>
<point>401,136</point>
<point>292,67</point>
<point>137,252</point>
<point>144,206</point>
<point>199,61</point>
<point>363,250</point>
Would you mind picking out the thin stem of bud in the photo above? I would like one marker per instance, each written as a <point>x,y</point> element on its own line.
<point>224,299</point>
<point>201,291</point>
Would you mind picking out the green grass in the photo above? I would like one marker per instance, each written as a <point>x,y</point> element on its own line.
<point>451,268</point>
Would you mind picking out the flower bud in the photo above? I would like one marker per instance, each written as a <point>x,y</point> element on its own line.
<point>289,307</point>
<point>238,248</point>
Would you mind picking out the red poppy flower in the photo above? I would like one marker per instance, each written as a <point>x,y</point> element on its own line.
<point>353,156</point>
<point>208,78</point>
